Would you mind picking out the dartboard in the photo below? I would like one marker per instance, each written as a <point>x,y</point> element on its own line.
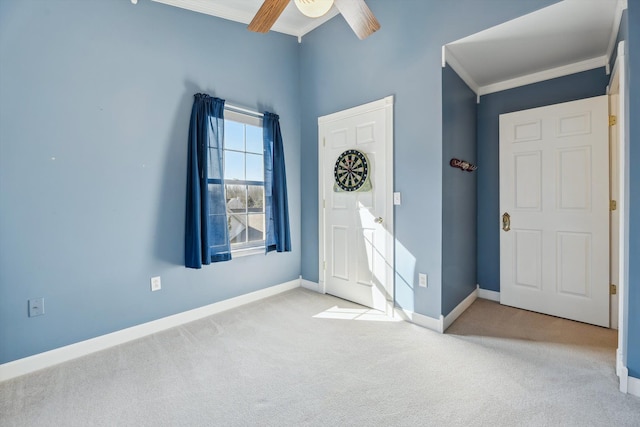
<point>351,170</point>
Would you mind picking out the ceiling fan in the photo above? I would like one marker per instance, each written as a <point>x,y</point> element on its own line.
<point>355,12</point>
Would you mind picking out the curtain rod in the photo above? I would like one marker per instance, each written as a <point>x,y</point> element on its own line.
<point>242,110</point>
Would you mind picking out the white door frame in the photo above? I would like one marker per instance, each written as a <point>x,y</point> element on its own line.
<point>387,104</point>
<point>618,84</point>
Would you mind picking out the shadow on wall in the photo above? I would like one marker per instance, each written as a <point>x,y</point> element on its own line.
<point>405,272</point>
<point>169,234</point>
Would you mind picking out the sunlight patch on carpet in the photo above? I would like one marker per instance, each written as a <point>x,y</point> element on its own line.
<point>368,314</point>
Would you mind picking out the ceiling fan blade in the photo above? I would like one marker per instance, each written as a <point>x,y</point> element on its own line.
<point>267,15</point>
<point>358,16</point>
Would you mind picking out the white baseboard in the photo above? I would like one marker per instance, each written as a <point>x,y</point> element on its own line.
<point>442,323</point>
<point>633,386</point>
<point>490,295</point>
<point>39,361</point>
<point>623,374</point>
<point>460,308</point>
<point>619,363</point>
<point>630,385</point>
<point>312,286</point>
<point>420,319</point>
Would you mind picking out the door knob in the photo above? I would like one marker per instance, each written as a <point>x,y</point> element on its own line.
<point>506,222</point>
<point>378,220</point>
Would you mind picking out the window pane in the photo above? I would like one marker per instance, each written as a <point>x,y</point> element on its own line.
<point>215,194</point>
<point>255,167</point>
<point>233,135</point>
<point>254,139</point>
<point>233,165</point>
<point>255,227</point>
<point>215,164</point>
<point>255,198</point>
<point>237,228</point>
<point>236,198</point>
<point>216,231</point>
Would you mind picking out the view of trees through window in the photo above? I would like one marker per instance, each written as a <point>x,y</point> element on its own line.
<point>244,184</point>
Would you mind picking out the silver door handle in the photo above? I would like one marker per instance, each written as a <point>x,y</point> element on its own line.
<point>378,220</point>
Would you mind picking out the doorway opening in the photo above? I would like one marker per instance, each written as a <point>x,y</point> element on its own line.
<point>499,61</point>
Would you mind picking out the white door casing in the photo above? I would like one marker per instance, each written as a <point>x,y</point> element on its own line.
<point>618,88</point>
<point>554,184</point>
<point>356,228</point>
<point>614,216</point>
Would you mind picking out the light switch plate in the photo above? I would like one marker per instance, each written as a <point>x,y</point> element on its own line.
<point>397,199</point>
<point>422,279</point>
<point>156,284</point>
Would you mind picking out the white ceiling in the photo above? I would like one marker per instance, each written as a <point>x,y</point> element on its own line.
<point>564,38</point>
<point>291,22</point>
<point>561,39</point>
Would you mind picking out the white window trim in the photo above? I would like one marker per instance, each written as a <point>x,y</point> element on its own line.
<point>255,250</point>
<point>242,118</point>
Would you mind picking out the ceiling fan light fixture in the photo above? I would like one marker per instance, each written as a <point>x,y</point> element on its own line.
<point>314,8</point>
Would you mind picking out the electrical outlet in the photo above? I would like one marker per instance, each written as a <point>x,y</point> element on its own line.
<point>422,279</point>
<point>156,284</point>
<point>36,307</point>
<point>397,198</point>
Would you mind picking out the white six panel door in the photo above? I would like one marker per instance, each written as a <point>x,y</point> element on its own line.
<point>357,241</point>
<point>554,185</point>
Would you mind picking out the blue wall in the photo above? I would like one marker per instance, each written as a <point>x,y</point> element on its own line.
<point>633,56</point>
<point>106,88</point>
<point>563,89</point>
<point>459,114</point>
<point>402,59</point>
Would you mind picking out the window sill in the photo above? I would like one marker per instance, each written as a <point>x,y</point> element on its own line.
<point>238,253</point>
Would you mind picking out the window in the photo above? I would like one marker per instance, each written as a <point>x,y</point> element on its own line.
<point>241,204</point>
<point>244,180</point>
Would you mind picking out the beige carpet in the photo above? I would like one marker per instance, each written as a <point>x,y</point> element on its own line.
<point>301,358</point>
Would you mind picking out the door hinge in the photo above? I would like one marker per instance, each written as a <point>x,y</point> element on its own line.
<point>324,203</point>
<point>613,289</point>
<point>613,205</point>
<point>613,120</point>
<point>324,142</point>
<point>324,265</point>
